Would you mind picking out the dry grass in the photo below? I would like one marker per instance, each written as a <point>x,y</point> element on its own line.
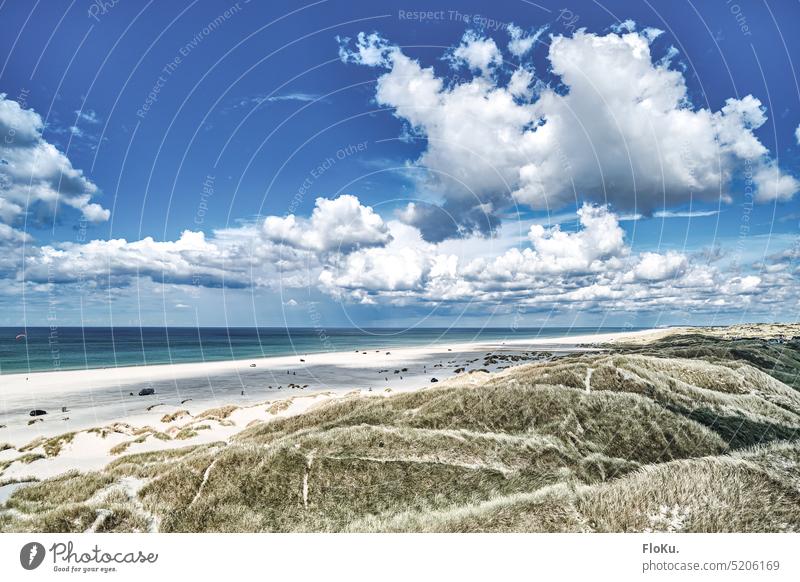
<point>185,433</point>
<point>51,446</point>
<point>177,415</point>
<point>220,413</point>
<point>124,446</point>
<point>26,459</point>
<point>279,406</point>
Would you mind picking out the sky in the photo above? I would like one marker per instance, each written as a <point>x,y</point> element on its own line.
<point>398,163</point>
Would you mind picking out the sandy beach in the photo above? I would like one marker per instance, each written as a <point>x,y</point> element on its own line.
<point>77,402</point>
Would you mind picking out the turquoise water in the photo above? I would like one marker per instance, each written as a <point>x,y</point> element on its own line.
<point>69,348</point>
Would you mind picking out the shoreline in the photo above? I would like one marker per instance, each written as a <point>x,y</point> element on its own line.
<point>102,398</point>
<point>291,349</point>
<point>78,400</point>
<point>44,382</point>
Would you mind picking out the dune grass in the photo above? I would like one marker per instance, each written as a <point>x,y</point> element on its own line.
<point>779,360</point>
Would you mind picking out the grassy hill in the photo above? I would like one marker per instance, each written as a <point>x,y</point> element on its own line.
<point>692,433</point>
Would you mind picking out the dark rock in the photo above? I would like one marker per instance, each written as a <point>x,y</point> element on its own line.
<point>38,412</point>
<point>147,391</point>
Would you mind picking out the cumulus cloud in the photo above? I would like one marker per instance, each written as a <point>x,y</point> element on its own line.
<point>342,224</point>
<point>276,252</point>
<point>555,259</point>
<point>520,83</point>
<point>402,266</point>
<point>618,129</point>
<point>599,239</point>
<point>35,176</point>
<point>742,285</point>
<point>591,269</point>
<point>190,260</point>
<point>773,184</point>
<point>618,135</point>
<point>390,262</point>
<point>596,247</point>
<point>410,267</point>
<point>477,53</point>
<point>658,267</point>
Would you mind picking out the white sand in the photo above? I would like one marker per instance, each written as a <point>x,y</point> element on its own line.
<point>44,383</point>
<point>102,397</point>
<point>89,451</point>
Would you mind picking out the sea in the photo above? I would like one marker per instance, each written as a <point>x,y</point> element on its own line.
<point>39,349</point>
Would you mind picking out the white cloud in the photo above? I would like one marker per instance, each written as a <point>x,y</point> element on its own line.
<point>624,26</point>
<point>672,214</point>
<point>302,97</point>
<point>589,269</point>
<point>622,131</point>
<point>598,246</point>
<point>552,269</point>
<point>479,54</point>
<point>521,43</point>
<point>88,115</point>
<point>401,266</point>
<point>600,238</point>
<point>277,252</point>
<point>684,213</point>
<point>742,285</point>
<point>34,175</point>
<point>256,100</point>
<point>190,260</point>
<point>773,184</point>
<point>658,267</point>
<point>520,83</point>
<point>342,224</point>
<point>619,132</point>
<point>19,127</point>
<point>371,50</point>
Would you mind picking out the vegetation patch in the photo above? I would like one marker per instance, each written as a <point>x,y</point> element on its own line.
<point>177,415</point>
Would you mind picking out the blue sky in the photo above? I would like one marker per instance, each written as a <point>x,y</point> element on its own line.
<point>212,116</point>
